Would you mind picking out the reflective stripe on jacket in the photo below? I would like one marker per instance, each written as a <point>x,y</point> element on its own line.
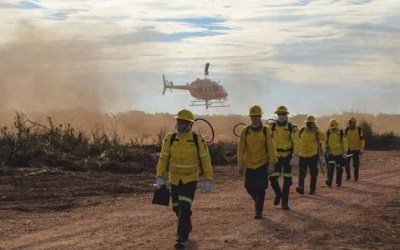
<point>183,160</point>
<point>252,148</point>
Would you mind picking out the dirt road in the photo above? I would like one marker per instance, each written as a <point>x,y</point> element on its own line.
<point>359,215</point>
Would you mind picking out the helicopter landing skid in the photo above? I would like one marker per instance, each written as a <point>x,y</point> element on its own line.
<point>209,104</point>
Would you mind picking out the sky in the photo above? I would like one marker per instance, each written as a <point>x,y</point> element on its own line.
<point>316,57</point>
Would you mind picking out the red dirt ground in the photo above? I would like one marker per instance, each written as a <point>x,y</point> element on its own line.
<point>53,209</point>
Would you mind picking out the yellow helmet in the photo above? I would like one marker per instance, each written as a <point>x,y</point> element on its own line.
<point>333,123</point>
<point>310,118</point>
<point>255,110</point>
<point>185,114</point>
<point>281,110</point>
<point>352,119</point>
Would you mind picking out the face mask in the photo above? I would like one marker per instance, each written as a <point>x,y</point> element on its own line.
<point>310,125</point>
<point>183,126</point>
<point>255,121</point>
<point>282,118</point>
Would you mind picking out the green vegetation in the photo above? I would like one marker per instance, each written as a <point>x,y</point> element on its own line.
<point>31,143</point>
<point>28,143</point>
<point>379,141</point>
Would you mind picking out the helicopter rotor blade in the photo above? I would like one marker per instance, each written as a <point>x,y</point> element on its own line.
<point>206,69</point>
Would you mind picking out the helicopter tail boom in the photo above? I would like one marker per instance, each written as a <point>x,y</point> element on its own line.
<point>170,85</point>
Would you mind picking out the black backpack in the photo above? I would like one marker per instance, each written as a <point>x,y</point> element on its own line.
<point>328,133</point>
<point>196,143</point>
<point>264,132</point>
<point>359,132</point>
<point>290,127</point>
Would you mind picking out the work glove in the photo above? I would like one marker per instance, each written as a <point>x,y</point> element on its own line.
<point>271,168</point>
<point>241,168</point>
<point>159,182</point>
<point>295,160</point>
<point>324,151</point>
<point>207,186</point>
<point>345,155</point>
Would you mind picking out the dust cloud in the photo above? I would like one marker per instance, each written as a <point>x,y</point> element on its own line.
<point>40,74</point>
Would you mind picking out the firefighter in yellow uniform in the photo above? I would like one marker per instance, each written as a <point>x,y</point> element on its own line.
<point>256,153</point>
<point>181,155</point>
<point>356,141</point>
<point>286,139</point>
<point>311,138</point>
<point>336,142</point>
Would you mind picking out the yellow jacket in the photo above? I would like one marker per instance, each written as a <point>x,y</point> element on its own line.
<point>355,138</point>
<point>309,142</point>
<point>286,141</point>
<point>336,142</point>
<point>182,159</point>
<point>256,148</point>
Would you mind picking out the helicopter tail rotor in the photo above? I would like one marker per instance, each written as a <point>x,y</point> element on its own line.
<point>167,84</point>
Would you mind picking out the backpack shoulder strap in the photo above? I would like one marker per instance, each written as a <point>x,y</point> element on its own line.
<point>341,135</point>
<point>247,130</point>
<point>173,136</point>
<point>265,135</point>
<point>171,141</point>
<point>245,133</point>
<point>301,131</point>
<point>328,133</point>
<point>196,141</point>
<point>359,130</point>
<point>273,126</point>
<point>290,127</point>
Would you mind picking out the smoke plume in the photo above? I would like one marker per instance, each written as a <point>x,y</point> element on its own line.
<point>39,74</point>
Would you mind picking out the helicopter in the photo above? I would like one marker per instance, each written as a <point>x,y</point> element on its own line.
<point>205,91</point>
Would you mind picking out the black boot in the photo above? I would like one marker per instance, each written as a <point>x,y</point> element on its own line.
<point>277,200</point>
<point>328,183</point>
<point>313,184</point>
<point>259,204</point>
<point>277,189</point>
<point>184,226</point>
<point>300,190</point>
<point>339,173</point>
<point>287,182</point>
<point>179,244</point>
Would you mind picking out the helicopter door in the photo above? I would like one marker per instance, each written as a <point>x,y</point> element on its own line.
<point>207,89</point>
